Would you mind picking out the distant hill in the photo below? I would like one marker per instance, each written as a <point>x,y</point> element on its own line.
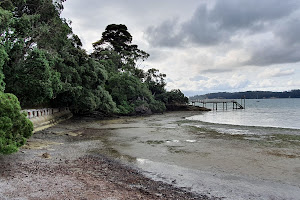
<point>249,95</point>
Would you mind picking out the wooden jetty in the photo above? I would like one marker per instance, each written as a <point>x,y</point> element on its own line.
<point>215,102</point>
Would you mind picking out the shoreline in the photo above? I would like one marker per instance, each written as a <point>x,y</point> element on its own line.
<point>186,162</point>
<point>88,177</point>
<point>60,163</point>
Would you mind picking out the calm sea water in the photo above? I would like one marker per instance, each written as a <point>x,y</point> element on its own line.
<point>261,116</point>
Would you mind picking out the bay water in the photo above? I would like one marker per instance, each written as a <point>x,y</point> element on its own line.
<point>253,153</point>
<point>260,116</point>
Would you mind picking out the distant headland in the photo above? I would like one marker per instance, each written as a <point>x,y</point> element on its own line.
<point>249,95</point>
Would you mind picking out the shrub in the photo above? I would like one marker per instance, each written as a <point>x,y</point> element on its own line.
<point>15,128</point>
<point>3,58</point>
<point>157,106</point>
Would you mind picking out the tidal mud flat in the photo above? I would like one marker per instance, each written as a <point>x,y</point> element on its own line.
<point>154,157</point>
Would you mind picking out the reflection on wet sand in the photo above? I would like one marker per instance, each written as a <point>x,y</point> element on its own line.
<point>174,150</point>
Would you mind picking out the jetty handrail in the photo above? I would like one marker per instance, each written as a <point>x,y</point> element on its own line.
<point>236,104</point>
<point>214,100</point>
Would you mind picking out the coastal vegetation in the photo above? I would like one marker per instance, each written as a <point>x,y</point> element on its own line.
<point>43,64</point>
<point>15,128</point>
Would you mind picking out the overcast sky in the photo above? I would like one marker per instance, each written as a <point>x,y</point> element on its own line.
<point>204,46</point>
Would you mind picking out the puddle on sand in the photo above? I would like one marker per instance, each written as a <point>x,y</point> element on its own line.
<point>191,141</point>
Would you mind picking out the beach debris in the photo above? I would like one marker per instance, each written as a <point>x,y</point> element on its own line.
<point>46,155</point>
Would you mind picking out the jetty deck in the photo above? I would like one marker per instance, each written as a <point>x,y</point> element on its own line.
<point>224,102</point>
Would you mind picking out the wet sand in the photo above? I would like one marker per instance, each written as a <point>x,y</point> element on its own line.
<point>154,157</point>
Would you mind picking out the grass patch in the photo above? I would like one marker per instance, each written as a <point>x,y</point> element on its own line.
<point>174,149</point>
<point>282,141</point>
<point>275,140</point>
<point>210,133</point>
<point>289,138</point>
<point>282,154</point>
<point>154,142</point>
<point>181,122</point>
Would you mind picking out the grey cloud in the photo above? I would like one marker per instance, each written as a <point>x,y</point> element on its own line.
<point>285,73</point>
<point>277,72</point>
<point>247,13</point>
<point>218,86</point>
<point>191,93</point>
<point>95,13</point>
<point>285,48</point>
<point>274,54</point>
<point>216,70</point>
<point>289,31</point>
<point>200,30</point>
<point>223,86</point>
<point>199,78</point>
<point>212,26</point>
<point>156,55</point>
<point>169,37</point>
<point>242,18</point>
<point>169,80</point>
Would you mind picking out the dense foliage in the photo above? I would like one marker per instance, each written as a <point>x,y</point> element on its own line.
<point>131,88</point>
<point>3,58</point>
<point>15,128</point>
<point>42,62</point>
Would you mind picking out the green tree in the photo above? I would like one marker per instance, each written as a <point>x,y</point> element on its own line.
<point>34,81</point>
<point>5,20</point>
<point>47,65</point>
<point>3,58</point>
<point>83,81</point>
<point>32,35</point>
<point>176,97</point>
<point>130,94</point>
<point>116,44</point>
<point>128,85</point>
<point>127,91</point>
<point>117,38</point>
<point>15,128</point>
<point>156,81</point>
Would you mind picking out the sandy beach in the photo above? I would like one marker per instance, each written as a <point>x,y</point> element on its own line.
<point>154,157</point>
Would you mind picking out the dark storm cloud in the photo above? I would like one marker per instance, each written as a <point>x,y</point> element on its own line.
<point>219,23</point>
